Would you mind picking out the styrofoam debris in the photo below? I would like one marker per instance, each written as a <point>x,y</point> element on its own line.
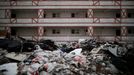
<point>76,51</point>
<point>14,56</point>
<point>10,68</point>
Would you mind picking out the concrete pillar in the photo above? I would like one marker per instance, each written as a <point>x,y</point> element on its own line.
<point>7,13</point>
<point>8,29</point>
<point>123,28</point>
<point>124,31</point>
<point>40,13</point>
<point>7,16</point>
<point>40,28</point>
<point>123,13</point>
<point>90,13</point>
<point>90,31</point>
<point>40,32</point>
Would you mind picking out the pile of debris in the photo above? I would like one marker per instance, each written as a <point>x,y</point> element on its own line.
<point>89,57</point>
<point>76,62</point>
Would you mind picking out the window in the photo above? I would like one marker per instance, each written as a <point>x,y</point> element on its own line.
<point>55,31</point>
<point>54,15</point>
<point>118,15</point>
<point>129,15</point>
<point>44,30</point>
<point>13,15</point>
<point>130,31</point>
<point>73,15</point>
<point>75,31</point>
<point>86,15</point>
<point>13,32</point>
<point>44,15</point>
<point>86,30</point>
<point>118,32</point>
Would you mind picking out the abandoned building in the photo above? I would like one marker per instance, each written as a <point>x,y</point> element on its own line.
<point>68,20</point>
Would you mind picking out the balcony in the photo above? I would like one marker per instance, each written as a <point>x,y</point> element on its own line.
<point>66,4</point>
<point>68,22</point>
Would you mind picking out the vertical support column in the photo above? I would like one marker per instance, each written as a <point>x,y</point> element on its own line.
<point>8,29</point>
<point>7,13</point>
<point>90,31</point>
<point>90,13</point>
<point>40,28</point>
<point>40,13</point>
<point>40,32</point>
<point>123,13</point>
<point>123,28</point>
<point>7,16</point>
<point>124,32</point>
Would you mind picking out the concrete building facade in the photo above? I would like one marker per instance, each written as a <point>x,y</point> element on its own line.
<point>68,20</point>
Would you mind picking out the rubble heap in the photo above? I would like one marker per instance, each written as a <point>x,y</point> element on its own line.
<point>89,58</point>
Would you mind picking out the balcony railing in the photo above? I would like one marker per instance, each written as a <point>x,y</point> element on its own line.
<point>50,3</point>
<point>66,20</point>
<point>69,4</point>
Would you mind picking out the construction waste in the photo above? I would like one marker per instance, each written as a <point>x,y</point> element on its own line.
<point>88,57</point>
